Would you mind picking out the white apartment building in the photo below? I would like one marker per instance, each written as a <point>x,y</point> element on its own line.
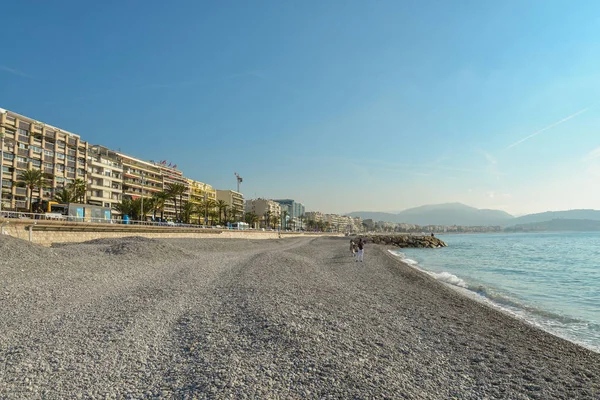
<point>105,177</point>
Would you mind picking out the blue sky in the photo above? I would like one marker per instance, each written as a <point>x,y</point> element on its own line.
<point>342,105</point>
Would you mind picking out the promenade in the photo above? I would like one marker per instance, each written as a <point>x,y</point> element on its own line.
<point>275,318</point>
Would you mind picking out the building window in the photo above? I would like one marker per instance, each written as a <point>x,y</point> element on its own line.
<point>61,143</point>
<point>70,158</point>
<point>21,159</point>
<point>23,146</point>
<point>49,165</point>
<point>49,153</point>
<point>80,171</point>
<point>23,132</point>
<point>60,168</point>
<point>60,156</point>
<point>36,163</point>
<point>8,156</point>
<point>36,149</point>
<point>10,118</point>
<point>70,169</point>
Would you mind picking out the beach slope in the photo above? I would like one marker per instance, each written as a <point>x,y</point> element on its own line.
<point>289,318</point>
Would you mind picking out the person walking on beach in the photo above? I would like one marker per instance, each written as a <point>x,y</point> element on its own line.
<point>353,247</point>
<point>361,250</point>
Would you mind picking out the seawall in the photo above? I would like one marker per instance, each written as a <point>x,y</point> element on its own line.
<point>46,233</point>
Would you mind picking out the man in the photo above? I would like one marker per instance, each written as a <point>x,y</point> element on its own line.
<point>361,246</point>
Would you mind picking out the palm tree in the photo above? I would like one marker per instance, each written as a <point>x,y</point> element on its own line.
<point>186,213</point>
<point>213,215</point>
<point>125,207</point>
<point>33,178</point>
<point>222,206</point>
<point>275,221</point>
<point>149,205</point>
<point>301,218</point>
<point>64,196</point>
<point>78,188</point>
<point>176,190</point>
<point>267,219</point>
<point>233,214</point>
<point>159,202</point>
<point>209,205</point>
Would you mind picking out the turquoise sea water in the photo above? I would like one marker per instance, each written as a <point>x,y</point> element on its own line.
<point>552,280</point>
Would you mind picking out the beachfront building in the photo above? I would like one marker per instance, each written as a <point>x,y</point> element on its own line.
<point>172,176</point>
<point>200,193</point>
<point>140,178</point>
<point>33,145</point>
<point>267,210</point>
<point>105,177</point>
<point>294,211</point>
<point>234,201</point>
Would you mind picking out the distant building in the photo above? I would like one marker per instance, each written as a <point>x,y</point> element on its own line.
<point>234,201</point>
<point>105,177</point>
<point>265,209</point>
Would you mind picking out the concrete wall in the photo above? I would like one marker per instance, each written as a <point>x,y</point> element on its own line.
<point>50,232</point>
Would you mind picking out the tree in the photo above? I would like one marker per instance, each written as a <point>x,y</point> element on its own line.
<point>176,190</point>
<point>301,218</point>
<point>209,205</point>
<point>32,179</point>
<point>267,218</point>
<point>234,214</point>
<point>159,203</point>
<point>64,196</point>
<point>126,207</point>
<point>188,210</point>
<point>222,206</point>
<point>78,189</point>
<point>275,220</point>
<point>252,219</point>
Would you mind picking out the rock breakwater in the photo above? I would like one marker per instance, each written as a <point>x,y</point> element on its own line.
<point>406,241</point>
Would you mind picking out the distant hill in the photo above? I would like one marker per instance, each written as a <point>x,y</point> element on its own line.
<point>593,215</point>
<point>582,225</point>
<point>441,214</point>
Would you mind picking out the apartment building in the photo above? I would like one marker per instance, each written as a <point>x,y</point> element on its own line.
<point>105,177</point>
<point>264,208</point>
<point>171,176</point>
<point>199,193</point>
<point>31,144</point>
<point>140,178</point>
<point>234,201</point>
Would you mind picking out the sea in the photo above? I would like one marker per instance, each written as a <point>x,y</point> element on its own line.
<point>551,280</point>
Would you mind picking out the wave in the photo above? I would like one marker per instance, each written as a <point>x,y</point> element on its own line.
<point>445,277</point>
<point>576,330</point>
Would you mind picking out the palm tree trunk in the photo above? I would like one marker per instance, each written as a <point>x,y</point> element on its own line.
<point>30,206</point>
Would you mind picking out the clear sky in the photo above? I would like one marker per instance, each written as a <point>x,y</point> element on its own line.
<point>342,105</point>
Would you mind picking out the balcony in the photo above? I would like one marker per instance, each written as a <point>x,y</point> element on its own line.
<point>21,191</point>
<point>24,139</point>
<point>72,141</point>
<point>48,158</point>
<point>22,165</point>
<point>20,204</point>
<point>23,152</point>
<point>49,171</point>
<point>71,175</point>
<point>49,146</point>
<point>50,135</point>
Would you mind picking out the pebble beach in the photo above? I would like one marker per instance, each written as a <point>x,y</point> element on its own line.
<point>291,318</point>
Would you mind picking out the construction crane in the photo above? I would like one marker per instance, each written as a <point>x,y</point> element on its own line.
<point>239,180</point>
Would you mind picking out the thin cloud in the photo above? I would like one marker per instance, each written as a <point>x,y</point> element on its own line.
<point>546,128</point>
<point>592,155</point>
<point>14,71</point>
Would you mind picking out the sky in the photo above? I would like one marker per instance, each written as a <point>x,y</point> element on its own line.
<point>341,105</point>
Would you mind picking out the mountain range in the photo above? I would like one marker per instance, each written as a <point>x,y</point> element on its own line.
<point>461,214</point>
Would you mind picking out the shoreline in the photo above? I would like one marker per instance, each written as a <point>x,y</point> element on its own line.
<point>235,318</point>
<point>476,297</point>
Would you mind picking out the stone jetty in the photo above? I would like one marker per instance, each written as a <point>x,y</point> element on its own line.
<point>406,241</point>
